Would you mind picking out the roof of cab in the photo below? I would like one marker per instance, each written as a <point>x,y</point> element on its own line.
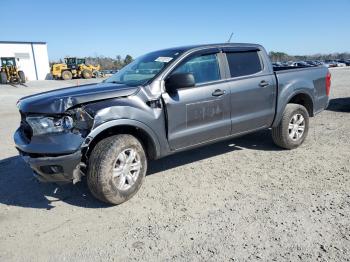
<point>218,45</point>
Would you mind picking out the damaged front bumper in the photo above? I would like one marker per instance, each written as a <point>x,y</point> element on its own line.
<point>54,158</point>
<point>64,168</point>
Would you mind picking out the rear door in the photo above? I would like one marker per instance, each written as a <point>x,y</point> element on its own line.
<point>201,113</point>
<point>252,90</point>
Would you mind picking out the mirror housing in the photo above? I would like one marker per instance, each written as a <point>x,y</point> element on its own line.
<point>180,80</point>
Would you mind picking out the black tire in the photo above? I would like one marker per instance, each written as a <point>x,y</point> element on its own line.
<point>67,75</point>
<point>22,77</point>
<point>103,159</point>
<point>95,74</point>
<point>281,133</point>
<point>87,74</point>
<point>3,78</point>
<point>15,80</point>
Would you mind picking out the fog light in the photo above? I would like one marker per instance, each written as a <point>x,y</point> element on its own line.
<point>52,169</point>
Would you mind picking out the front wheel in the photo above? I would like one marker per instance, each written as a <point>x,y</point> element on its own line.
<point>87,74</point>
<point>67,75</point>
<point>293,127</point>
<point>117,167</point>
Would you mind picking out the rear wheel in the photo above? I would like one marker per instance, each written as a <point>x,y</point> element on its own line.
<point>86,74</point>
<point>117,166</point>
<point>3,78</point>
<point>293,127</point>
<point>96,74</point>
<point>22,77</point>
<point>67,75</point>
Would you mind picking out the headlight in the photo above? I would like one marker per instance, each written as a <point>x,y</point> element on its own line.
<point>42,125</point>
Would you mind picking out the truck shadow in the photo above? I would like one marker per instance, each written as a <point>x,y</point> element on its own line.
<point>339,104</point>
<point>258,141</point>
<point>19,188</point>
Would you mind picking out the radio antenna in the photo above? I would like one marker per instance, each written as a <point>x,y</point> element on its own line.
<point>229,39</point>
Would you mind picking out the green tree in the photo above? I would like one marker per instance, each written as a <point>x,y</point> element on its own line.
<point>279,56</point>
<point>128,59</point>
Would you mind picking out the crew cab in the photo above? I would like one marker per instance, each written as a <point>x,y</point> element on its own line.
<point>162,103</point>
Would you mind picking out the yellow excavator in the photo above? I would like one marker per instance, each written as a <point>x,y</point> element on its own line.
<point>9,72</point>
<point>74,67</point>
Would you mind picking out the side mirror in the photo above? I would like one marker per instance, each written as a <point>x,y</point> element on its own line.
<point>180,80</point>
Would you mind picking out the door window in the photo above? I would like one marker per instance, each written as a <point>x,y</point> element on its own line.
<point>205,68</point>
<point>243,63</point>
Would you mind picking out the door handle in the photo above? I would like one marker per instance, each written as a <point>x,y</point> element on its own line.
<point>218,92</point>
<point>264,83</point>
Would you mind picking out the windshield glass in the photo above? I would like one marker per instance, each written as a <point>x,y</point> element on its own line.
<point>144,68</point>
<point>80,61</point>
<point>70,61</point>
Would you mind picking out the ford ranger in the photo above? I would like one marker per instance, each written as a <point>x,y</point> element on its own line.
<point>162,103</point>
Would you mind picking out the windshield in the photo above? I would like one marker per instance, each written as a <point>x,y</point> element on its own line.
<point>80,61</point>
<point>8,61</point>
<point>70,61</point>
<point>144,68</point>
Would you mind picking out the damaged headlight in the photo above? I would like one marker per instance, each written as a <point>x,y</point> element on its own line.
<point>43,125</point>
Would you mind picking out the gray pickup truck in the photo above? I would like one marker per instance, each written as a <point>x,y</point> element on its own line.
<point>162,103</point>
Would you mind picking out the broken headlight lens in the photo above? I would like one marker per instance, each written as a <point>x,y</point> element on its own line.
<point>43,125</point>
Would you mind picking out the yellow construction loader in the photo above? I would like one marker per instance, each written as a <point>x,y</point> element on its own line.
<point>9,72</point>
<point>74,67</point>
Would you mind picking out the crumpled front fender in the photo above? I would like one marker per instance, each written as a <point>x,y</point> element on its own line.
<point>124,122</point>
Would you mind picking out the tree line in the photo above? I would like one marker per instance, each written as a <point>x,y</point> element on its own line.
<point>283,57</point>
<point>109,63</point>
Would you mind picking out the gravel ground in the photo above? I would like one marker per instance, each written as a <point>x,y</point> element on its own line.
<point>240,200</point>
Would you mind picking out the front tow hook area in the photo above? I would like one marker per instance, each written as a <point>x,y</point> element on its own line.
<point>64,169</point>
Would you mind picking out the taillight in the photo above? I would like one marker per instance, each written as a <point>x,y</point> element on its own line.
<point>328,83</point>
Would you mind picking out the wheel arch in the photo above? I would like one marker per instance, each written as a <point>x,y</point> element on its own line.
<point>301,98</point>
<point>141,131</point>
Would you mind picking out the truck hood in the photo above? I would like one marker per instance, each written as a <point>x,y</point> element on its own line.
<point>58,101</point>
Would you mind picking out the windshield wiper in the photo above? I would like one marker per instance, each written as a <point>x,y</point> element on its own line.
<point>115,82</point>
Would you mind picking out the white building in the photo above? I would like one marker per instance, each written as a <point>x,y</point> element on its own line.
<point>31,57</point>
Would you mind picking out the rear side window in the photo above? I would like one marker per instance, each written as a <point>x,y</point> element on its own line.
<point>205,68</point>
<point>243,63</point>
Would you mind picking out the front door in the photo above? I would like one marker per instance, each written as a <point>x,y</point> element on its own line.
<point>200,113</point>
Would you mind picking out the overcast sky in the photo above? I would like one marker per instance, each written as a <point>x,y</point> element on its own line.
<point>89,28</point>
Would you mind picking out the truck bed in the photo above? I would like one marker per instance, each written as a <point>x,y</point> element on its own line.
<point>312,80</point>
<point>283,68</point>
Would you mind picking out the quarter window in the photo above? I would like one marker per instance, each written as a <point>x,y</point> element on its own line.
<point>205,68</point>
<point>243,63</point>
